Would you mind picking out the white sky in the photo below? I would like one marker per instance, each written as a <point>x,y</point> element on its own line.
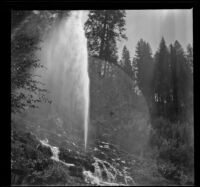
<point>151,25</point>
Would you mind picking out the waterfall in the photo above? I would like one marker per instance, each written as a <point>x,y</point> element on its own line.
<point>111,172</point>
<point>55,151</point>
<point>64,54</point>
<point>109,178</point>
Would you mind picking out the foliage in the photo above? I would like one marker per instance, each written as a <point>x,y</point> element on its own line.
<point>111,92</point>
<point>144,62</point>
<point>54,174</point>
<point>182,83</point>
<point>26,88</point>
<point>175,148</point>
<point>125,61</point>
<point>189,56</point>
<point>117,113</point>
<point>25,157</point>
<point>103,28</point>
<point>31,163</point>
<point>161,80</point>
<point>166,82</point>
<point>143,66</point>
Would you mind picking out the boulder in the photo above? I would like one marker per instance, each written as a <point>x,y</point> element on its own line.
<point>45,150</point>
<point>76,171</point>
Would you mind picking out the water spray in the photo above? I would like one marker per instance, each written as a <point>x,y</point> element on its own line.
<point>64,53</point>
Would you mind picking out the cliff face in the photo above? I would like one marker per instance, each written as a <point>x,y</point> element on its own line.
<point>117,112</point>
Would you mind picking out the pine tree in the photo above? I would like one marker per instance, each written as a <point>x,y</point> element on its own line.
<point>126,61</point>
<point>143,67</point>
<point>189,56</point>
<point>162,75</point>
<point>181,81</point>
<point>103,28</point>
<point>174,98</point>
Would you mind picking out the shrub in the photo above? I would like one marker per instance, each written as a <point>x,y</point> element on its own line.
<point>175,148</point>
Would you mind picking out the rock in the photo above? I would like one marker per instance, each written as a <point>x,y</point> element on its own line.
<point>17,176</point>
<point>76,171</point>
<point>104,175</point>
<point>45,150</point>
<point>76,159</point>
<point>28,138</point>
<point>30,152</point>
<point>67,156</point>
<point>40,165</point>
<point>88,166</point>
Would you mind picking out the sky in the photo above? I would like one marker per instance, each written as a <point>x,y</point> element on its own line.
<point>151,25</point>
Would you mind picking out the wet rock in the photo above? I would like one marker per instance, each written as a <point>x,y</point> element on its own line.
<point>104,175</point>
<point>89,167</point>
<point>76,171</point>
<point>40,165</point>
<point>17,176</point>
<point>76,159</point>
<point>68,156</point>
<point>45,150</point>
<point>30,152</point>
<point>27,138</point>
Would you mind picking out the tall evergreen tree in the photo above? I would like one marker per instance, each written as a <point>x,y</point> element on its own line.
<point>181,81</point>
<point>126,61</point>
<point>103,28</point>
<point>143,65</point>
<point>174,97</point>
<point>189,56</point>
<point>162,75</point>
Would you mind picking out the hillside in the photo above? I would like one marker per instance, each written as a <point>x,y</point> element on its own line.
<point>117,143</point>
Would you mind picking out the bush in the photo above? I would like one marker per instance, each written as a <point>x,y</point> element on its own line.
<point>175,148</point>
<point>168,169</point>
<point>26,158</point>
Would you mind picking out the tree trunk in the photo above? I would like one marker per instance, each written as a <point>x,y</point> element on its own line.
<point>101,52</point>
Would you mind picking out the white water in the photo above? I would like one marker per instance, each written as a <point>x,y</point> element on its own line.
<point>96,178</point>
<point>64,54</point>
<point>55,151</point>
<point>111,173</point>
